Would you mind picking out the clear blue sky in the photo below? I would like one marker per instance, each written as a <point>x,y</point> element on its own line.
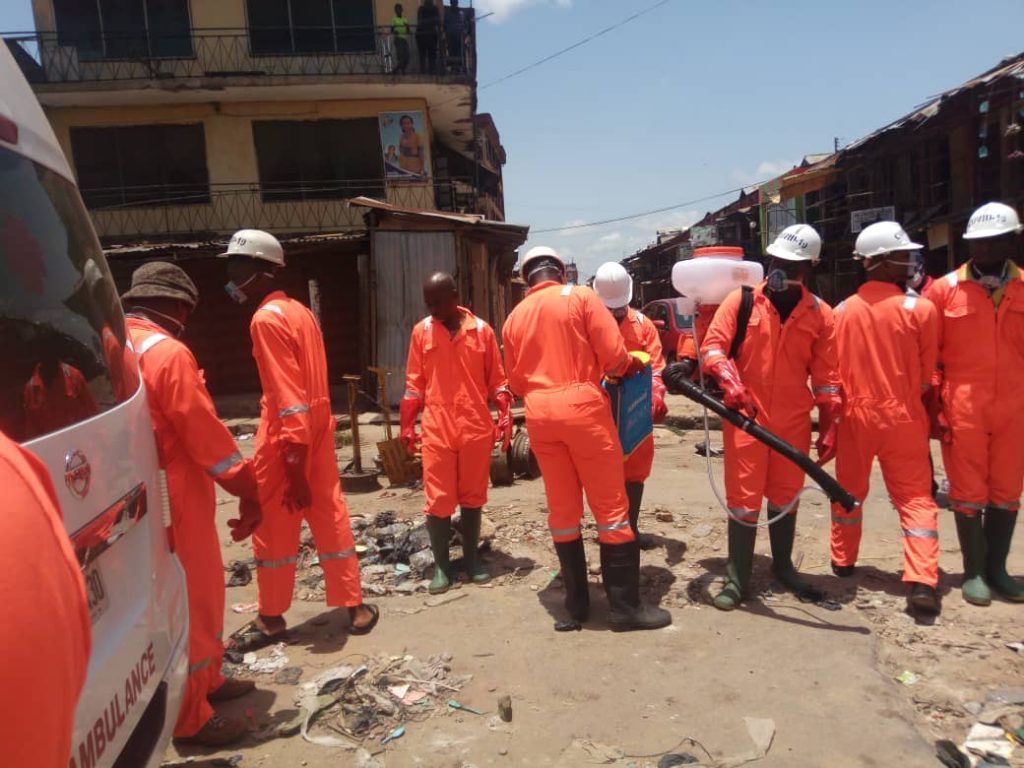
<point>698,97</point>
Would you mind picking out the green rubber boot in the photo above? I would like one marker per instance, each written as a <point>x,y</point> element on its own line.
<point>741,563</point>
<point>440,531</point>
<point>999,525</point>
<point>475,572</point>
<point>782,535</point>
<point>972,546</point>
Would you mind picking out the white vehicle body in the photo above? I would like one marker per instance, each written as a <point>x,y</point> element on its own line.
<point>59,311</point>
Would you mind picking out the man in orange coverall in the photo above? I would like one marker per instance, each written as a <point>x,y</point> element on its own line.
<point>614,287</point>
<point>888,341</point>
<point>978,414</point>
<point>559,342</point>
<point>790,337</point>
<point>195,451</point>
<point>453,368</point>
<point>46,636</point>
<point>296,466</point>
<point>55,397</point>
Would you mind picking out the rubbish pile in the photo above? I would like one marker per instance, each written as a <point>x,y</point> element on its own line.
<point>348,705</point>
<point>997,731</point>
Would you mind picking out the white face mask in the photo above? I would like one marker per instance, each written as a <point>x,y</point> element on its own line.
<point>913,266</point>
<point>778,281</point>
<point>237,292</point>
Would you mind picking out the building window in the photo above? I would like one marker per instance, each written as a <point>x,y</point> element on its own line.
<point>125,29</point>
<point>311,26</point>
<point>318,159</point>
<point>141,165</point>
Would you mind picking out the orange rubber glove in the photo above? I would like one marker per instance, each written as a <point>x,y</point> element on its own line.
<point>736,395</point>
<point>297,494</point>
<point>658,408</point>
<point>408,410</point>
<point>503,429</point>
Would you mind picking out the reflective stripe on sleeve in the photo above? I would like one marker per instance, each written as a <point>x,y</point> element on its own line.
<point>340,555</point>
<point>273,308</point>
<point>920,533</point>
<point>713,352</point>
<point>292,410</point>
<point>199,666</point>
<point>225,464</point>
<point>151,341</point>
<point>826,390</point>
<point>277,563</point>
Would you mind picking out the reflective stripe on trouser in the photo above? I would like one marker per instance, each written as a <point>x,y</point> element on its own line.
<point>984,468</point>
<point>638,465</point>
<point>902,450</point>
<point>193,509</point>
<point>276,541</point>
<point>577,448</point>
<point>455,477</point>
<point>753,471</point>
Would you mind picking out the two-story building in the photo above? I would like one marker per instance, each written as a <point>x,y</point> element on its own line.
<point>186,120</point>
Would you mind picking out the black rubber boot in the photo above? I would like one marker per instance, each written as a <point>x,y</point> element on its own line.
<point>620,569</point>
<point>573,561</point>
<point>475,572</point>
<point>970,531</point>
<point>781,535</point>
<point>923,599</point>
<point>440,531</point>
<point>999,525</point>
<point>741,564</point>
<point>635,494</point>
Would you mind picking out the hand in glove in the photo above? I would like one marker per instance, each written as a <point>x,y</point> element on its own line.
<point>503,429</point>
<point>249,518</point>
<point>829,414</point>
<point>297,494</point>
<point>658,408</point>
<point>736,395</point>
<point>634,367</point>
<point>938,426</point>
<point>674,376</point>
<point>408,410</point>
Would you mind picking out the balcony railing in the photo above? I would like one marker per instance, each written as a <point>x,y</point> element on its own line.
<point>239,53</point>
<point>223,208</point>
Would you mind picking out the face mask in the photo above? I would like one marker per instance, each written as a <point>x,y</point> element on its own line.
<point>173,321</point>
<point>237,292</point>
<point>914,266</point>
<point>778,281</point>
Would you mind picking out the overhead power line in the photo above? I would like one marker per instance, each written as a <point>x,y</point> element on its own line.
<point>576,45</point>
<point>650,212</point>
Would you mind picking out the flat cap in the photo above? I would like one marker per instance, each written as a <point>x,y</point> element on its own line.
<point>162,280</point>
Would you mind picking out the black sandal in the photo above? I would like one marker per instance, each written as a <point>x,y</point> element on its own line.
<point>354,630</point>
<point>252,638</point>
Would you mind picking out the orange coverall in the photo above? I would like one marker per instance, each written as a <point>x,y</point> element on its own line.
<point>687,344</point>
<point>195,449</point>
<point>774,363</point>
<point>559,342</point>
<point>121,364</point>
<point>296,409</point>
<point>46,634</point>
<point>888,343</point>
<point>453,378</point>
<point>66,400</point>
<point>981,358</point>
<point>640,335</point>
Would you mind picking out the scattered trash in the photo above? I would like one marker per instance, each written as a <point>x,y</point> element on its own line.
<point>245,607</point>
<point>204,762</point>
<point>949,755</point>
<point>988,741</point>
<point>267,665</point>
<point>453,704</point>
<point>701,449</point>
<point>906,677</point>
<point>288,676</point>
<point>677,758</point>
<point>570,625</point>
<point>1018,647</point>
<point>240,574</point>
<point>505,708</point>
<point>398,733</point>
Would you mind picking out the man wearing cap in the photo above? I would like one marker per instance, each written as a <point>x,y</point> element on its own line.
<point>887,339</point>
<point>559,342</point>
<point>195,450</point>
<point>976,411</point>
<point>790,338</point>
<point>614,287</point>
<point>296,466</point>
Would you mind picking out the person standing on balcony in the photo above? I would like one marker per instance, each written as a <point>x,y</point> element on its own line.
<point>428,21</point>
<point>454,35</point>
<point>400,31</point>
<point>296,466</point>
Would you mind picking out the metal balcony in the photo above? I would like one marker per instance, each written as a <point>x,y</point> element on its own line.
<point>126,213</point>
<point>47,58</point>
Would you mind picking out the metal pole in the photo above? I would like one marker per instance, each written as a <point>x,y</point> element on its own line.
<point>357,455</point>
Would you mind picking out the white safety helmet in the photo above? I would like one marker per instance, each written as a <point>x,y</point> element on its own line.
<point>799,242</point>
<point>613,285</point>
<point>537,252</point>
<point>992,220</point>
<point>256,244</point>
<point>883,237</point>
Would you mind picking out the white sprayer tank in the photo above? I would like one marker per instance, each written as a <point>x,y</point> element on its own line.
<point>713,273</point>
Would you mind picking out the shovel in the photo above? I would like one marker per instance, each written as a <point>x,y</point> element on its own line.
<point>393,455</point>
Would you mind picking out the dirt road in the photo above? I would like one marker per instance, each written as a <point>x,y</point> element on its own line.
<point>825,678</point>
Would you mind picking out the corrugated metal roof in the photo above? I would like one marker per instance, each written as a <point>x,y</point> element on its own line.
<point>202,246</point>
<point>470,219</point>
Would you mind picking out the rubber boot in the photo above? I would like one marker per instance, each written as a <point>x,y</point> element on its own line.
<point>972,546</point>
<point>635,494</point>
<point>741,564</point>
<point>999,525</point>
<point>440,531</point>
<point>475,572</point>
<point>781,534</point>
<point>620,570</point>
<point>573,561</point>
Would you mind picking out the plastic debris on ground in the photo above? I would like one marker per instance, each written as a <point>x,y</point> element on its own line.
<point>240,574</point>
<point>245,607</point>
<point>266,665</point>
<point>906,677</point>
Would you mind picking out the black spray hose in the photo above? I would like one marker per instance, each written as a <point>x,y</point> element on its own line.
<point>834,490</point>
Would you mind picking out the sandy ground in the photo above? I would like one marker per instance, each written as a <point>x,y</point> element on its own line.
<point>826,678</point>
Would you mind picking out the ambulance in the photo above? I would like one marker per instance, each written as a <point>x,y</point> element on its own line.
<point>70,391</point>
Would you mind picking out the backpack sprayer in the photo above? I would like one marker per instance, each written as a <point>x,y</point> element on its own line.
<point>705,281</point>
